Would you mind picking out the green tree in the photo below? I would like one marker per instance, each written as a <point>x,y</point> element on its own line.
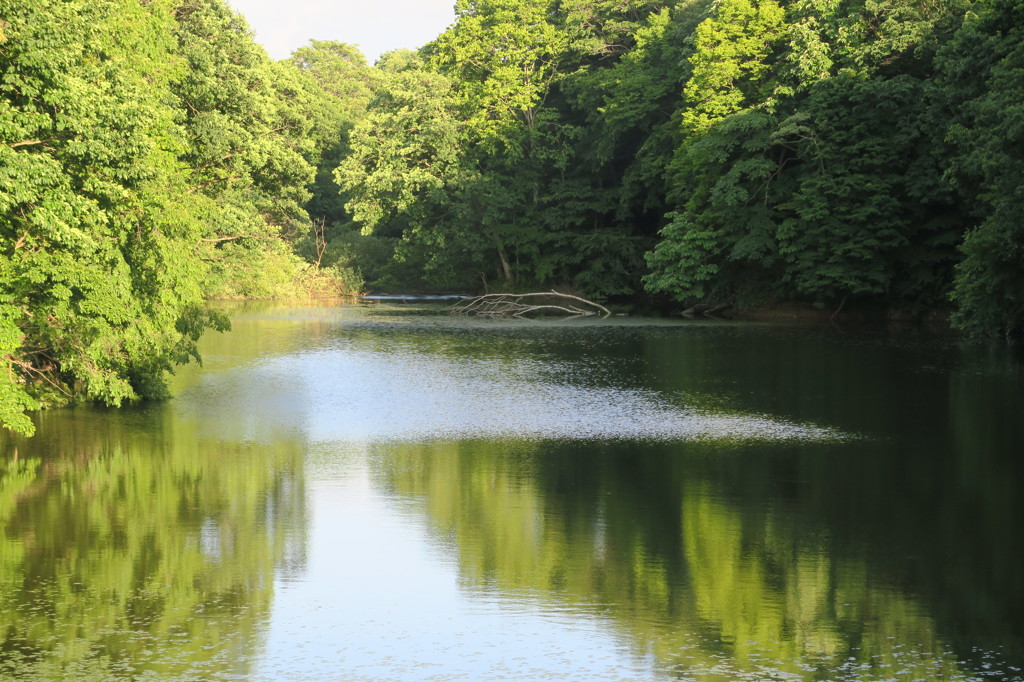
<point>340,73</point>
<point>724,125</point>
<point>812,158</point>
<point>981,71</point>
<point>867,213</point>
<point>99,273</point>
<point>730,61</point>
<point>248,147</point>
<point>503,58</point>
<point>402,173</point>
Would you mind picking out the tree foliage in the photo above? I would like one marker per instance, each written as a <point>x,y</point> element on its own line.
<point>152,156</point>
<point>744,151</point>
<point>100,275</point>
<point>811,163</point>
<point>981,70</point>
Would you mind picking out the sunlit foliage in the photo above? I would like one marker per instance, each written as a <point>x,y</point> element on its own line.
<point>738,151</point>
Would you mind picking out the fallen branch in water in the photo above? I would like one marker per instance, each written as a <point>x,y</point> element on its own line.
<point>707,309</point>
<point>517,305</point>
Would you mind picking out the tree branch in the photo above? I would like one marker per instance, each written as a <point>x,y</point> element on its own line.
<point>513,305</point>
<point>212,182</point>
<point>215,240</point>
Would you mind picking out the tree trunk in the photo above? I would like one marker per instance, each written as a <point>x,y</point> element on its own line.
<point>506,267</point>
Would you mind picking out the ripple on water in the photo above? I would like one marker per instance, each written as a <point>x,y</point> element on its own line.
<point>347,394</point>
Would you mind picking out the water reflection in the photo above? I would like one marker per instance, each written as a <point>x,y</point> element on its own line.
<point>375,493</point>
<point>134,546</point>
<point>715,584</point>
<point>416,378</point>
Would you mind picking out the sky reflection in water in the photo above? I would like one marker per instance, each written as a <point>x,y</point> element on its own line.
<point>364,493</point>
<point>349,388</point>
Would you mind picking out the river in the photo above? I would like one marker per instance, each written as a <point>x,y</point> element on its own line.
<point>386,492</point>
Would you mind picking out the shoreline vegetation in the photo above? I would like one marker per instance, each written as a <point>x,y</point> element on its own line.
<point>752,155</point>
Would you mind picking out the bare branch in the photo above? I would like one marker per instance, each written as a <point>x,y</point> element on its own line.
<point>321,241</point>
<point>43,375</point>
<point>516,305</point>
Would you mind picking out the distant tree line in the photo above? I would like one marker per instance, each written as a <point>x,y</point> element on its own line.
<point>744,151</point>
<point>750,151</point>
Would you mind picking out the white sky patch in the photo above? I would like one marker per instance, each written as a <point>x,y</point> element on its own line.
<point>376,26</point>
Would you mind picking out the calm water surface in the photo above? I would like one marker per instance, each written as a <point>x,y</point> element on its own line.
<point>386,492</point>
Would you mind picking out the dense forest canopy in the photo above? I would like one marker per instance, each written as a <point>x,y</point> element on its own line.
<point>747,152</point>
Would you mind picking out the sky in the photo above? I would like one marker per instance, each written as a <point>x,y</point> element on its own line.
<point>375,25</point>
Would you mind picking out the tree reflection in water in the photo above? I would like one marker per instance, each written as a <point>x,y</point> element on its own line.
<point>131,545</point>
<point>722,572</point>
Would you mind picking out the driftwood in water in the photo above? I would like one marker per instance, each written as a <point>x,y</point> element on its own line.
<point>521,305</point>
<point>706,309</point>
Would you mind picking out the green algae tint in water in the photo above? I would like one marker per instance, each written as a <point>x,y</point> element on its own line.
<point>390,493</point>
